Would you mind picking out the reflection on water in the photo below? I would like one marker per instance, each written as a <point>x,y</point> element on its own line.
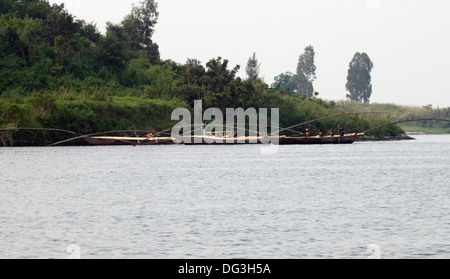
<point>227,201</point>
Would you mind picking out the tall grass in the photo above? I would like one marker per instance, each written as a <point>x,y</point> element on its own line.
<point>400,113</point>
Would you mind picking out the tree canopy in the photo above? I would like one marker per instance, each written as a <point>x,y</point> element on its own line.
<point>359,80</point>
<point>252,68</point>
<point>301,83</point>
<point>140,25</point>
<point>306,72</point>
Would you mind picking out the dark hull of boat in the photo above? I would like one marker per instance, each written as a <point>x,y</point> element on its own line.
<point>106,141</point>
<point>319,140</point>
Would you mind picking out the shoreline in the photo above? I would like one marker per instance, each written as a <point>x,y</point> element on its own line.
<point>406,136</point>
<point>424,133</point>
<point>386,138</point>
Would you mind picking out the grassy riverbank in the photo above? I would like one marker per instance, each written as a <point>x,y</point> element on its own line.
<point>400,112</point>
<point>85,114</point>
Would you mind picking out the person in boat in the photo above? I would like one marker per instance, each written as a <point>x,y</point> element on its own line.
<point>149,135</point>
<point>203,128</point>
<point>320,133</point>
<point>331,132</point>
<point>341,132</point>
<point>308,133</point>
<point>136,134</point>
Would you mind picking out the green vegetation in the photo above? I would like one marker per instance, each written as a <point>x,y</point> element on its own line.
<point>359,80</point>
<point>400,113</point>
<point>57,71</point>
<point>302,82</point>
<point>252,68</point>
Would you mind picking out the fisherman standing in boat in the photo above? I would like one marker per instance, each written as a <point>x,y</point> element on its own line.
<point>308,133</point>
<point>203,128</point>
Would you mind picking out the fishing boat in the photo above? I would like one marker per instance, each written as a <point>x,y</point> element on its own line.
<point>346,139</point>
<point>212,140</point>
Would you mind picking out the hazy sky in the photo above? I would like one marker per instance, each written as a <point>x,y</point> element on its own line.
<point>407,40</point>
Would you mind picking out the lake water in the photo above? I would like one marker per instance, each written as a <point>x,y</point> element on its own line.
<point>227,201</point>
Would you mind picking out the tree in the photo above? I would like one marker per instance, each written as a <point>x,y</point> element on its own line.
<point>306,72</point>
<point>193,62</point>
<point>59,22</point>
<point>192,73</point>
<point>218,75</point>
<point>359,80</point>
<point>252,68</point>
<point>221,84</point>
<point>111,50</point>
<point>139,25</point>
<point>285,81</point>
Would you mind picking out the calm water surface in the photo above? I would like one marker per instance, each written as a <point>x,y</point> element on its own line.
<point>227,201</point>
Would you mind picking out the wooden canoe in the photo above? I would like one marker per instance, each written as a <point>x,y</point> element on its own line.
<point>346,139</point>
<point>211,140</point>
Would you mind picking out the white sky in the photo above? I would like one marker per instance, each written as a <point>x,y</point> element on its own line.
<point>407,40</point>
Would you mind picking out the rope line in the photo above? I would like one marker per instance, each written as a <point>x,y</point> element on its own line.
<point>39,129</point>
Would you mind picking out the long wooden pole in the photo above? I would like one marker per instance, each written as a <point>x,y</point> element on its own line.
<point>97,134</point>
<point>39,129</point>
